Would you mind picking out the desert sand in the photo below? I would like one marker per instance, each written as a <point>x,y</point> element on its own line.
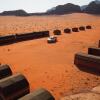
<point>51,66</point>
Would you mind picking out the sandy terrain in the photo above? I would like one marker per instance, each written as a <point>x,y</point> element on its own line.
<point>51,66</point>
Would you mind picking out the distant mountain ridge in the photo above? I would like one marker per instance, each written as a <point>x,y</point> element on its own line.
<point>15,13</point>
<point>65,9</point>
<point>92,8</point>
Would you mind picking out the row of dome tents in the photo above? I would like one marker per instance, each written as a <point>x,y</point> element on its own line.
<point>16,87</point>
<point>74,29</point>
<point>53,39</point>
<point>8,39</point>
<point>89,62</point>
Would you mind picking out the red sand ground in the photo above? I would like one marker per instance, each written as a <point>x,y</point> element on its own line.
<point>51,65</point>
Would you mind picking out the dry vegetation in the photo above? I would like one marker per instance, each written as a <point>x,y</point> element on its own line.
<point>51,66</point>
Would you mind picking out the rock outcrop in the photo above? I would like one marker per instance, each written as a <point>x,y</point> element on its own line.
<point>94,94</point>
<point>14,13</point>
<point>65,9</point>
<point>93,8</point>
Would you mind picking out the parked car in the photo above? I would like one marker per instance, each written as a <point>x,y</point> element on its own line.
<point>52,39</point>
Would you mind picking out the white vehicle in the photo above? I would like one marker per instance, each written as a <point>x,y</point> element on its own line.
<point>52,39</point>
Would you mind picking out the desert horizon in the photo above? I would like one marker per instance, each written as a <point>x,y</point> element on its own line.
<point>41,23</point>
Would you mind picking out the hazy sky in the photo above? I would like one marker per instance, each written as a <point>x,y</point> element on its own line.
<point>36,5</point>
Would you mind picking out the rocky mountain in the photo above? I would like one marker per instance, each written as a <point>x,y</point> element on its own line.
<point>15,13</point>
<point>93,7</point>
<point>64,9</point>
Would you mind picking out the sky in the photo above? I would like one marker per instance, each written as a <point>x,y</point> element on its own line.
<point>36,5</point>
